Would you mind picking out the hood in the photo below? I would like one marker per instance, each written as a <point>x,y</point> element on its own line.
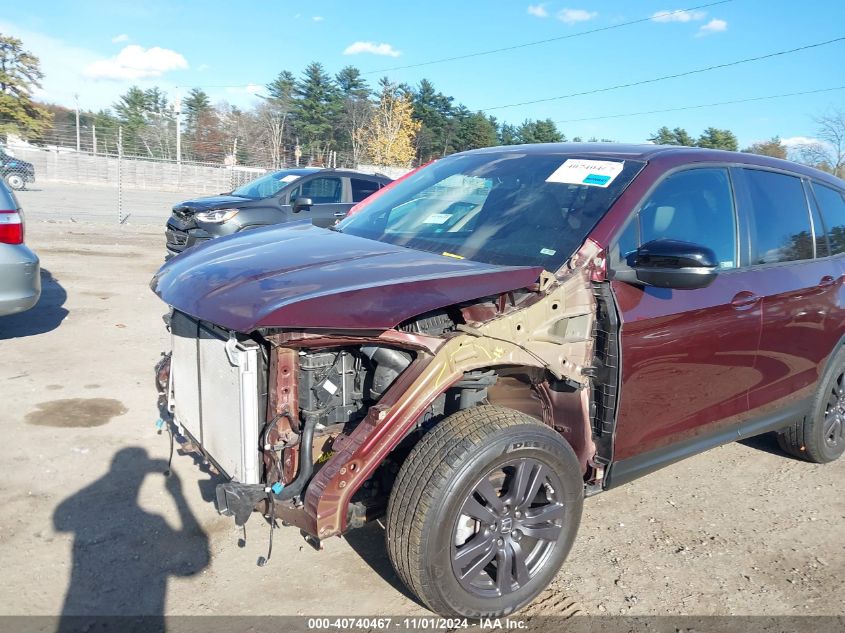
<point>211,202</point>
<point>302,276</point>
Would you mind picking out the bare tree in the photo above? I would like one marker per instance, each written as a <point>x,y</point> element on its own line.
<point>273,120</point>
<point>829,153</point>
<point>358,112</point>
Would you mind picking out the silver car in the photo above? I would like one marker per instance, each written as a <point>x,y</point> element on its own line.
<point>20,274</point>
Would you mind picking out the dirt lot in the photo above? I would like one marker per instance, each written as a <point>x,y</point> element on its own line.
<point>90,525</point>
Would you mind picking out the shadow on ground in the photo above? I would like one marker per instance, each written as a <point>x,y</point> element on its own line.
<point>768,443</point>
<point>123,556</point>
<point>45,316</point>
<point>368,542</point>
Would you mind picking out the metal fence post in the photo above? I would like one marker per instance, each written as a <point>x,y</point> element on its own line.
<point>119,170</point>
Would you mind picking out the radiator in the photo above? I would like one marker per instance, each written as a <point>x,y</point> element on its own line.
<point>216,394</point>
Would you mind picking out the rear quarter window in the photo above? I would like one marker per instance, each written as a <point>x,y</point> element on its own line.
<point>362,189</point>
<point>833,212</point>
<point>779,218</point>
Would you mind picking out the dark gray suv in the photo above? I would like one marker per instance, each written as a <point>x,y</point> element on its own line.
<point>320,195</point>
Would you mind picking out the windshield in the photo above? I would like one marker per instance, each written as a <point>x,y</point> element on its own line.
<point>506,208</point>
<point>267,186</point>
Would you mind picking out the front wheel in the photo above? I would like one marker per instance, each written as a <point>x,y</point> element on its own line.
<point>484,511</point>
<point>15,181</point>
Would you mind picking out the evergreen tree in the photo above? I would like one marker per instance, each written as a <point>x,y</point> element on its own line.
<point>509,135</point>
<point>131,110</point>
<point>20,74</point>
<point>544,131</point>
<point>678,136</point>
<point>714,138</point>
<point>195,105</point>
<point>316,109</point>
<point>476,131</point>
<point>351,84</point>
<point>433,110</point>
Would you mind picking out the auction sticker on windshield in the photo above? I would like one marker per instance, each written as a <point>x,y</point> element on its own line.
<point>437,218</point>
<point>289,178</point>
<point>596,173</point>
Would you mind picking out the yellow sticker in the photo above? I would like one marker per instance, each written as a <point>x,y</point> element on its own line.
<point>445,254</point>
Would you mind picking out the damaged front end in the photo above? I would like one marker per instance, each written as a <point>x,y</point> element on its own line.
<point>312,426</point>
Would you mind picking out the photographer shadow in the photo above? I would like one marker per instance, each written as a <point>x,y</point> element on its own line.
<point>123,556</point>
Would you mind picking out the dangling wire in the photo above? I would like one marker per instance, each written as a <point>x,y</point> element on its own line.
<point>169,459</point>
<point>262,561</point>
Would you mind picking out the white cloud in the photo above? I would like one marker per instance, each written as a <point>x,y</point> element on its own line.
<point>713,26</point>
<point>136,62</point>
<point>117,39</point>
<point>373,48</point>
<point>538,10</point>
<point>798,141</point>
<point>678,16</point>
<point>572,16</point>
<point>318,18</point>
<point>203,67</point>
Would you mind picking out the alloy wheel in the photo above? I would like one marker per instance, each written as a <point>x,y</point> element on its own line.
<point>507,528</point>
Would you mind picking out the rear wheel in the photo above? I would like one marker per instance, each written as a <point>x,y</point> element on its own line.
<point>15,181</point>
<point>484,511</point>
<point>820,437</point>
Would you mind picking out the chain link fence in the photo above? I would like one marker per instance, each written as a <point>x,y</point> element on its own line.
<point>104,161</point>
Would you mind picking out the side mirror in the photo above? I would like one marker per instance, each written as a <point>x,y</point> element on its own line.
<point>671,264</point>
<point>302,204</point>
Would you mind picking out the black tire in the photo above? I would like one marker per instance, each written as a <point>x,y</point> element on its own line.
<point>820,436</point>
<point>431,539</point>
<point>15,181</point>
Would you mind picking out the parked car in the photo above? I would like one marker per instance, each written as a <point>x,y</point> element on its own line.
<point>20,274</point>
<point>502,334</point>
<point>321,195</point>
<point>15,172</point>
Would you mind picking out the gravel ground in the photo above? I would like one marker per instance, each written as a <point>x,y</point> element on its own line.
<point>91,525</point>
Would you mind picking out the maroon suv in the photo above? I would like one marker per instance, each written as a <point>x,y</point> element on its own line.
<point>502,334</point>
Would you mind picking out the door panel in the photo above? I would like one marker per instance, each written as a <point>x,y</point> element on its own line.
<point>800,293</point>
<point>800,309</point>
<point>687,361</point>
<point>687,355</point>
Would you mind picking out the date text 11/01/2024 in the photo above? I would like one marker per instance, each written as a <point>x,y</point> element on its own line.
<point>417,623</point>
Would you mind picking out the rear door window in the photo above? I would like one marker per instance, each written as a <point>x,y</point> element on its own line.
<point>779,218</point>
<point>833,212</point>
<point>362,189</point>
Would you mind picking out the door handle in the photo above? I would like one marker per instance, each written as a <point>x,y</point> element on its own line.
<point>826,282</point>
<point>744,299</point>
<point>339,214</point>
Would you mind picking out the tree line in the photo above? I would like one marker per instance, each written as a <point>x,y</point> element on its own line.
<point>318,118</point>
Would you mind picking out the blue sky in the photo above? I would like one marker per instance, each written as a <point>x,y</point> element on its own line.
<point>97,49</point>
